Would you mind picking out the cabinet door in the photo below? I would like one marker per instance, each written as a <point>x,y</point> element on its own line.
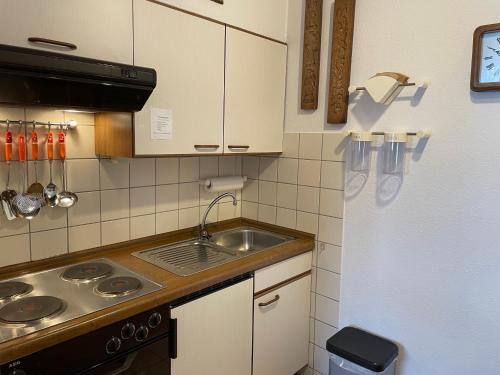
<point>281,329</point>
<point>255,93</point>
<point>100,29</point>
<point>265,17</point>
<point>214,333</point>
<point>188,55</point>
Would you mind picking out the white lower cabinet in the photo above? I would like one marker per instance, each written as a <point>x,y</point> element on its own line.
<point>281,329</point>
<point>214,333</point>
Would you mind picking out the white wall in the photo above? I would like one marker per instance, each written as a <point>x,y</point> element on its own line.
<point>422,266</point>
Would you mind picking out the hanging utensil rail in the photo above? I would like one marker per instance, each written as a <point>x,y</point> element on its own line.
<point>67,124</point>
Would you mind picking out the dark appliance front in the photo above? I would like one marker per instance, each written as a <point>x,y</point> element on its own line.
<point>30,77</point>
<point>141,344</point>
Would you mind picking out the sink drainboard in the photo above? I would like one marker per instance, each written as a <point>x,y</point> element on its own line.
<point>186,259</point>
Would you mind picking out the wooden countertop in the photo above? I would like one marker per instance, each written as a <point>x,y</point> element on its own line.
<point>174,286</point>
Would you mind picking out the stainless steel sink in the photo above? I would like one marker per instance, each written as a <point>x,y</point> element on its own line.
<point>189,257</point>
<point>248,239</point>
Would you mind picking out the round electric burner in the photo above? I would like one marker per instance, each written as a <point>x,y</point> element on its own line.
<point>11,289</point>
<point>119,286</point>
<point>29,309</point>
<point>86,272</point>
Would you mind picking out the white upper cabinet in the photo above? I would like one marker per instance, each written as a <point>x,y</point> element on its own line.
<point>99,29</point>
<point>255,93</point>
<point>265,17</point>
<point>187,53</point>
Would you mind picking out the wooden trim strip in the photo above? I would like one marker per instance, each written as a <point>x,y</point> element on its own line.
<point>216,21</point>
<point>311,54</point>
<point>280,285</point>
<point>340,65</point>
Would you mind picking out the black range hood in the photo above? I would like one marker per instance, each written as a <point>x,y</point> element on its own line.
<point>30,77</point>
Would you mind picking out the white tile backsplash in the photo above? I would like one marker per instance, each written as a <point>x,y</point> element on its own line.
<point>167,171</point>
<point>83,174</point>
<point>167,221</point>
<point>250,166</point>
<point>84,237</point>
<point>268,169</point>
<point>115,231</point>
<point>189,217</point>
<point>142,201</point>
<point>309,172</point>
<point>114,173</point>
<point>288,170</point>
<point>189,169</point>
<point>286,196</point>
<point>308,199</point>
<point>49,243</point>
<point>189,195</point>
<point>87,210</point>
<point>167,197</point>
<point>310,146</point>
<point>115,204</point>
<point>51,218</point>
<point>142,226</point>
<point>142,172</point>
<point>15,249</point>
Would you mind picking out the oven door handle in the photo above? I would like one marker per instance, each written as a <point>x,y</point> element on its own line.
<point>172,339</point>
<point>126,365</point>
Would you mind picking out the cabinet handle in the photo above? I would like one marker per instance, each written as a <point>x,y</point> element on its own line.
<point>206,147</point>
<point>221,2</point>
<point>238,147</point>
<point>58,43</point>
<point>275,299</point>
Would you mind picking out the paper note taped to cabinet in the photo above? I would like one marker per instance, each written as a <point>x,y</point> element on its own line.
<point>161,123</point>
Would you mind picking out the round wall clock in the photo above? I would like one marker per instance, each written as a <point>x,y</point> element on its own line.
<point>486,59</point>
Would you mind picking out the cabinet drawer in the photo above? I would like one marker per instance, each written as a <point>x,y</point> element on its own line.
<point>281,329</point>
<point>279,272</point>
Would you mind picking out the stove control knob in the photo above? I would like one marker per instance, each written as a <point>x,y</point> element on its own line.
<point>113,345</point>
<point>17,372</point>
<point>154,320</point>
<point>128,331</point>
<point>142,333</point>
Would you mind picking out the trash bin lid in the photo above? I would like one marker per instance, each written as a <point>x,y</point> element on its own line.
<point>362,348</point>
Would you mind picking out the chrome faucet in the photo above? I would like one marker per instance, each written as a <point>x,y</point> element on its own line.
<point>203,225</point>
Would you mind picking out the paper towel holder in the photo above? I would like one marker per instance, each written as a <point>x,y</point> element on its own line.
<point>207,182</point>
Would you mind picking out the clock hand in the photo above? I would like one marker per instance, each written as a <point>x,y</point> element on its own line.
<point>495,50</point>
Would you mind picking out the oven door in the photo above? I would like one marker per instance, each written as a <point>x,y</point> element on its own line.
<point>152,359</point>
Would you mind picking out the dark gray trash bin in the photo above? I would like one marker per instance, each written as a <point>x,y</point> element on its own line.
<point>354,351</point>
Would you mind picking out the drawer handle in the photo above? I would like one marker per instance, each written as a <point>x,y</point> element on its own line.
<point>238,147</point>
<point>221,2</point>
<point>275,299</point>
<point>58,43</point>
<point>206,147</point>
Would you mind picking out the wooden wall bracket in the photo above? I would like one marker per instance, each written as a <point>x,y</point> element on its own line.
<point>340,68</point>
<point>311,54</point>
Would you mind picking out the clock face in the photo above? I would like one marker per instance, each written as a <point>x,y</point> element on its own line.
<point>490,58</point>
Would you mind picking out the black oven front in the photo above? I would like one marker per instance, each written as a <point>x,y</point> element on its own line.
<point>142,344</point>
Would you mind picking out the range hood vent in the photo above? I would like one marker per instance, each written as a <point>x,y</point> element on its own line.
<point>30,77</point>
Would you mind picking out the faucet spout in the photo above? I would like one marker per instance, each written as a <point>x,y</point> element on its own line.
<point>203,225</point>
